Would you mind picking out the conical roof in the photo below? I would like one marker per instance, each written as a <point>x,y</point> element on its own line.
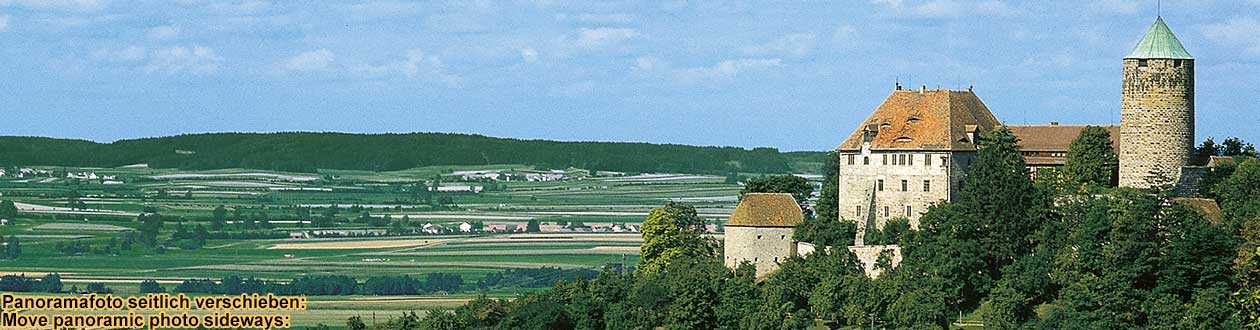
<point>1159,42</point>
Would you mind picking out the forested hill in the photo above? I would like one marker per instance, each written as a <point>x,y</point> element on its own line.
<point>305,152</point>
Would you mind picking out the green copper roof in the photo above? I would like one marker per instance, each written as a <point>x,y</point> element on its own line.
<point>1159,42</point>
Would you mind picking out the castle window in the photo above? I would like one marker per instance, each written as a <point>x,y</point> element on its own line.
<point>927,160</point>
<point>909,211</point>
<point>903,160</point>
<point>910,160</point>
<point>1141,63</point>
<point>851,157</point>
<point>885,161</point>
<point>782,236</point>
<point>866,160</point>
<point>905,185</point>
<point>944,161</point>
<point>886,212</point>
<point>1177,63</point>
<point>879,185</point>
<point>776,259</point>
<point>758,236</point>
<point>927,185</point>
<point>858,214</point>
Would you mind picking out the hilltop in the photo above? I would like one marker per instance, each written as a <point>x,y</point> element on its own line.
<point>309,151</point>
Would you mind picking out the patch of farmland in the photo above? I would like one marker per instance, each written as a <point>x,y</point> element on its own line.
<point>518,252</point>
<point>80,226</point>
<point>276,176</point>
<point>461,216</point>
<point>241,184</point>
<point>37,208</point>
<point>53,236</point>
<point>357,244</point>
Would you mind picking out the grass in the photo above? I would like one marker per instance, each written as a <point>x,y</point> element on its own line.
<point>583,198</point>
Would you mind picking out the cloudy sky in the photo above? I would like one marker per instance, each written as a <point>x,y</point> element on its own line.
<point>795,75</point>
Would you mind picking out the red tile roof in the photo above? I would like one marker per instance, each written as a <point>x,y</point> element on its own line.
<point>924,120</point>
<point>1056,138</point>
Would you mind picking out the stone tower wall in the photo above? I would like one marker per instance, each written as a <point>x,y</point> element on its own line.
<point>765,247</point>
<point>1156,121</point>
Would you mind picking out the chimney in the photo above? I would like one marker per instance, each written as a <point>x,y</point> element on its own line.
<point>922,88</point>
<point>1054,123</point>
<point>969,88</point>
<point>898,87</point>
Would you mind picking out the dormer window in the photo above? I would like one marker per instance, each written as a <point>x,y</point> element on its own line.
<point>905,139</point>
<point>913,120</point>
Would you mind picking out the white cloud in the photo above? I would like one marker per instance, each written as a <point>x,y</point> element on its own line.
<point>948,8</point>
<point>240,7</point>
<point>795,44</point>
<point>196,60</point>
<point>726,70</point>
<point>844,34</point>
<point>415,65</point>
<point>62,5</point>
<point>385,8</point>
<point>162,32</point>
<point>529,55</point>
<point>129,54</point>
<point>618,18</point>
<point>314,60</point>
<point>1122,7</point>
<point>4,23</point>
<point>1238,32</point>
<point>648,64</point>
<point>603,37</point>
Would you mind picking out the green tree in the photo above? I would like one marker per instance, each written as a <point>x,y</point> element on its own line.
<point>151,286</point>
<point>1091,160</point>
<point>999,196</point>
<point>51,283</point>
<point>670,232</point>
<point>1239,194</point>
<point>795,185</point>
<point>8,210</point>
<point>355,323</point>
<point>218,218</point>
<point>532,226</point>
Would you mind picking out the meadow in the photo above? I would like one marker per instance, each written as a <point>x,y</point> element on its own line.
<point>57,210</point>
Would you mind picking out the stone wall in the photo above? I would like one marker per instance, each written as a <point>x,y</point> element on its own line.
<point>861,200</point>
<point>765,247</point>
<point>1156,121</point>
<point>868,256</point>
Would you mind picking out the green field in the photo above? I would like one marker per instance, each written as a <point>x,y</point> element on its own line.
<point>56,211</point>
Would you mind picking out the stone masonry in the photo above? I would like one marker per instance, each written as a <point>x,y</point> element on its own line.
<point>1156,121</point>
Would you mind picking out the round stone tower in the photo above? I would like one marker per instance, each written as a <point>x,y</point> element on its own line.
<point>1157,110</point>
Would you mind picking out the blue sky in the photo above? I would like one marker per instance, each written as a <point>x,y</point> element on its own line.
<point>795,75</point>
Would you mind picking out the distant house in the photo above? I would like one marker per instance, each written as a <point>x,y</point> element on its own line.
<point>297,234</point>
<point>465,227</point>
<point>430,228</point>
<point>552,228</point>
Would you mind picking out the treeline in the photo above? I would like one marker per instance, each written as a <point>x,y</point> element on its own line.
<point>379,285</point>
<point>307,151</point>
<point>50,283</point>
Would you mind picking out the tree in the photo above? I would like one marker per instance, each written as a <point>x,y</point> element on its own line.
<point>1001,198</point>
<point>1236,147</point>
<point>151,286</point>
<point>532,226</point>
<point>218,218</point>
<point>1205,151</point>
<point>51,283</point>
<point>1091,161</point>
<point>673,231</point>
<point>8,210</point>
<point>1239,194</point>
<point>791,184</point>
<point>355,323</point>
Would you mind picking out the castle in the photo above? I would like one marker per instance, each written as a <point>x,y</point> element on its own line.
<point>915,148</point>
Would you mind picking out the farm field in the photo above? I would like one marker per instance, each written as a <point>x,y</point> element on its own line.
<point>281,226</point>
